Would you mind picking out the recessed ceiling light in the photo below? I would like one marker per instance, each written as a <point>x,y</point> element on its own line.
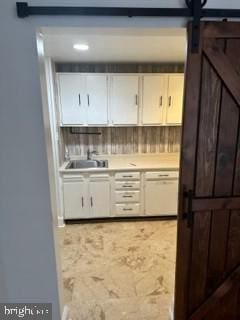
<point>80,46</point>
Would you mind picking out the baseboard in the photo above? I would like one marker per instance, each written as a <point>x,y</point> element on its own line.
<point>120,219</point>
<point>65,314</point>
<point>61,222</point>
<point>171,311</point>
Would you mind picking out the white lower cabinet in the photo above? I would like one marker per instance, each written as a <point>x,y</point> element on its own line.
<point>161,193</point>
<point>86,196</point>
<point>75,192</point>
<point>103,195</point>
<point>99,193</point>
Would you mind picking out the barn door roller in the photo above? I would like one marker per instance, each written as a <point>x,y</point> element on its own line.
<point>194,10</point>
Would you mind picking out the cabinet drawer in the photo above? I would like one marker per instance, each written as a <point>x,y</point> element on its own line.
<point>73,177</point>
<point>127,185</point>
<point>130,196</point>
<point>161,175</point>
<point>99,177</point>
<point>127,209</point>
<point>127,176</point>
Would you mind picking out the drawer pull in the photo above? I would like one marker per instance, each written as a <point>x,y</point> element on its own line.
<point>127,209</point>
<point>127,176</point>
<point>163,175</point>
<point>127,186</point>
<point>82,202</point>
<point>126,196</point>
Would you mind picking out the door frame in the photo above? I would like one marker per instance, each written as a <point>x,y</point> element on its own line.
<point>50,113</point>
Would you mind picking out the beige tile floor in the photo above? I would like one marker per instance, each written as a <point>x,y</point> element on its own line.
<point>118,271</point>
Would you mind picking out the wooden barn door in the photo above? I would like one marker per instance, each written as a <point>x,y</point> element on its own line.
<point>208,249</point>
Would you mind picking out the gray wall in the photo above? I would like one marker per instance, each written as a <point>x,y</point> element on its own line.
<point>27,263</point>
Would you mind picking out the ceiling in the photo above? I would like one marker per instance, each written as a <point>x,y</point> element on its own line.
<point>116,45</point>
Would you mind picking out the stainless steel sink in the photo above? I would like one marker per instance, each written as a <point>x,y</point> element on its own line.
<point>85,164</point>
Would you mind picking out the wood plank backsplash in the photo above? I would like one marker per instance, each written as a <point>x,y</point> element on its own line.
<point>122,140</point>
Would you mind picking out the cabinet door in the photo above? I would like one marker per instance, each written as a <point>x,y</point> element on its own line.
<point>154,98</point>
<point>75,199</point>
<point>99,197</point>
<point>97,99</point>
<point>124,100</point>
<point>175,99</point>
<point>71,98</point>
<point>161,197</point>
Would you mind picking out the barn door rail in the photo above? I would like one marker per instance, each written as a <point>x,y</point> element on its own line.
<point>193,204</point>
<point>194,10</point>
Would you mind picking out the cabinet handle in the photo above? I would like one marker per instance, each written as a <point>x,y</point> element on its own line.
<point>127,186</point>
<point>91,201</point>
<point>127,209</point>
<point>82,202</point>
<point>88,99</point>
<point>161,101</point>
<point>168,182</point>
<point>163,175</point>
<point>136,99</point>
<point>169,101</point>
<point>127,176</point>
<point>79,99</point>
<point>127,196</point>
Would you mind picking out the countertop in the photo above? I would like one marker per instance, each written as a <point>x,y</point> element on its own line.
<point>132,162</point>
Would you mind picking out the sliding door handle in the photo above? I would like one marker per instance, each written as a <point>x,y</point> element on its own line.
<point>88,99</point>
<point>79,99</point>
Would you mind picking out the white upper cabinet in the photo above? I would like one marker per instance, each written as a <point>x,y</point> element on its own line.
<point>154,99</point>
<point>175,99</point>
<point>116,100</point>
<point>83,99</point>
<point>97,100</point>
<point>72,99</point>
<point>124,99</point>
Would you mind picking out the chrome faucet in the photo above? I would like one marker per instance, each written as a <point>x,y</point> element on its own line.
<point>90,153</point>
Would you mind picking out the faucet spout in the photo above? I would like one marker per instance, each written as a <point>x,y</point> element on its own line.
<point>90,153</point>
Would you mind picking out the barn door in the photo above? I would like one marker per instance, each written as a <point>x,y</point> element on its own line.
<point>208,250</point>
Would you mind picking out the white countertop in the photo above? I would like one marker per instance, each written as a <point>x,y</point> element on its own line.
<point>131,162</point>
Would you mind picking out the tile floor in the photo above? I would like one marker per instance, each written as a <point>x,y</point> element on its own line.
<point>118,271</point>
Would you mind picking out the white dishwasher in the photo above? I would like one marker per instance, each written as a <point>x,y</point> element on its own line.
<point>161,193</point>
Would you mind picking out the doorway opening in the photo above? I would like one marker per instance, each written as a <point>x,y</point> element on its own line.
<point>114,106</point>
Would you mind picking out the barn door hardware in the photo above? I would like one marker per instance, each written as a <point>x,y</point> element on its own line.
<point>194,10</point>
<point>196,7</point>
<point>188,214</point>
